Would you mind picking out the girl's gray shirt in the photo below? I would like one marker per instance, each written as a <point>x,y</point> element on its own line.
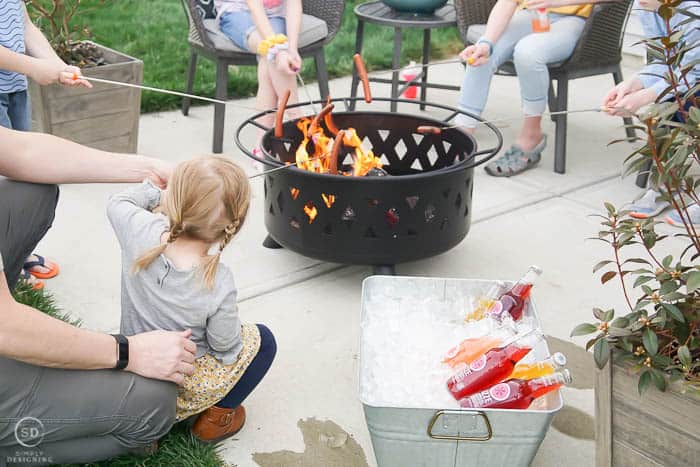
<point>164,297</point>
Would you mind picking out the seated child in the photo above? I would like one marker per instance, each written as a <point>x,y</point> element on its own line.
<point>269,28</point>
<point>172,280</point>
<point>650,85</point>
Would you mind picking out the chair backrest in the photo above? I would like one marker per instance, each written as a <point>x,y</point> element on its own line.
<point>330,11</point>
<point>600,44</point>
<point>197,33</point>
<point>470,12</point>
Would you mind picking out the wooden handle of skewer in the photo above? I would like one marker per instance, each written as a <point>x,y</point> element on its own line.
<point>362,73</point>
<point>322,114</point>
<point>279,118</point>
<point>337,144</point>
<point>429,130</point>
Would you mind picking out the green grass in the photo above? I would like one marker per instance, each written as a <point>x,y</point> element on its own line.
<point>178,448</point>
<point>156,32</point>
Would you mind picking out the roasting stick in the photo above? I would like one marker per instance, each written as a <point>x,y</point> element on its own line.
<point>436,130</point>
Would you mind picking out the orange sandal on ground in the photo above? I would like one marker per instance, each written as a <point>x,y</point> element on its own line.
<point>42,262</point>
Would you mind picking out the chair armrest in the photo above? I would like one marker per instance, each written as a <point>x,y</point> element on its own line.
<point>470,12</point>
<point>198,32</point>
<point>330,11</point>
<point>601,40</point>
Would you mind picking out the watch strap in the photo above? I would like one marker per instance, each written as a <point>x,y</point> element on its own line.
<point>122,351</point>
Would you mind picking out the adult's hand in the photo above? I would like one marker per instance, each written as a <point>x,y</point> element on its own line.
<point>476,55</point>
<point>285,63</point>
<point>162,355</point>
<point>631,103</point>
<point>615,95</point>
<point>160,173</point>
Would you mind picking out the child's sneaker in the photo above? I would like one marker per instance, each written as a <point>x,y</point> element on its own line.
<point>674,218</point>
<point>648,205</point>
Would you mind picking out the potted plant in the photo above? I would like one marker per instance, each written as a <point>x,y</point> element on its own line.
<point>648,386</point>
<point>106,116</point>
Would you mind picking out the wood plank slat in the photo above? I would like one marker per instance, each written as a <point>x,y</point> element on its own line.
<point>603,416</point>
<point>91,105</point>
<point>95,129</point>
<point>624,456</point>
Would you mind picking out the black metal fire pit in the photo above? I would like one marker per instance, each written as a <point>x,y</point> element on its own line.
<point>421,209</point>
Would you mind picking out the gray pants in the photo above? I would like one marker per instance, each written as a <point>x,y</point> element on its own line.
<point>53,416</point>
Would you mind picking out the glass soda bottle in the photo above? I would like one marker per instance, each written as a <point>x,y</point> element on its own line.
<point>469,350</point>
<point>516,393</point>
<point>492,367</point>
<point>514,300</point>
<point>543,368</point>
<point>540,23</point>
<point>485,303</point>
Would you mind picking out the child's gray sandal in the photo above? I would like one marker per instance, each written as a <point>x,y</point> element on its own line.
<point>515,160</point>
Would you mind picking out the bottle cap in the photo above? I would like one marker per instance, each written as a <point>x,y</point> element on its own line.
<point>559,359</point>
<point>536,269</point>
<point>567,376</point>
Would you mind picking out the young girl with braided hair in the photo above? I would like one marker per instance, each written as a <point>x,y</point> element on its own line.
<point>173,279</point>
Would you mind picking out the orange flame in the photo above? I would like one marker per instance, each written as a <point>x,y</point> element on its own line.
<point>328,199</point>
<point>311,211</point>
<point>319,160</point>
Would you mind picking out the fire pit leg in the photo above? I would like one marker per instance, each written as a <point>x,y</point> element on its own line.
<point>270,243</point>
<point>384,270</point>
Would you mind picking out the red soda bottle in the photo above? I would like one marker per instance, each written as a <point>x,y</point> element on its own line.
<point>492,367</point>
<point>516,393</point>
<point>514,300</point>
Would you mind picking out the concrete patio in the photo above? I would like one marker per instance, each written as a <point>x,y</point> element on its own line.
<point>314,308</point>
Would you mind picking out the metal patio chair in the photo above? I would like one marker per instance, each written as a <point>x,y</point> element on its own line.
<point>320,24</point>
<point>598,52</point>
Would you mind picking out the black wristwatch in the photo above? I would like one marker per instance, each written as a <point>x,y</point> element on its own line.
<point>122,351</point>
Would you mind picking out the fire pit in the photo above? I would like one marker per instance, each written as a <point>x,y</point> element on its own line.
<point>418,205</point>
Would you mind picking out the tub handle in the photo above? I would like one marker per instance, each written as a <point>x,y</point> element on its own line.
<point>440,413</point>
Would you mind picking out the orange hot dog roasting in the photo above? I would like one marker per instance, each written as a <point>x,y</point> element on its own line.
<point>321,115</point>
<point>362,73</point>
<point>337,144</point>
<point>328,119</point>
<point>429,130</point>
<point>279,118</point>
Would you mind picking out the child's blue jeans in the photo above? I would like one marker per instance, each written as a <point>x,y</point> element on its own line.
<point>530,52</point>
<point>15,112</point>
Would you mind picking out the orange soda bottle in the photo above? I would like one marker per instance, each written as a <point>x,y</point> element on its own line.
<point>469,350</point>
<point>516,393</point>
<point>543,368</point>
<point>540,23</point>
<point>485,303</point>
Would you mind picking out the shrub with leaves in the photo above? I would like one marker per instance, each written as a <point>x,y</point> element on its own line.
<point>659,333</point>
<point>54,18</point>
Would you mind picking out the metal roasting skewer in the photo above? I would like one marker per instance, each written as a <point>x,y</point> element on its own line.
<point>422,129</point>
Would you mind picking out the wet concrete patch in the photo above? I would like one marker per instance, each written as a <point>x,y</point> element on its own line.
<point>579,362</point>
<point>575,423</point>
<point>327,445</point>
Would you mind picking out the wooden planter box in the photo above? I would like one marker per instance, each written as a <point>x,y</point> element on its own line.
<point>656,429</point>
<point>104,117</point>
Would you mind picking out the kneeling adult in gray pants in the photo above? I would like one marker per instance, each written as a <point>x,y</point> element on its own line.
<point>61,399</point>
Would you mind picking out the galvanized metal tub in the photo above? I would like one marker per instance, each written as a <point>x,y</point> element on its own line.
<point>436,437</point>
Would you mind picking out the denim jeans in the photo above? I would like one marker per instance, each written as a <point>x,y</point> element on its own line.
<point>15,111</point>
<point>530,52</point>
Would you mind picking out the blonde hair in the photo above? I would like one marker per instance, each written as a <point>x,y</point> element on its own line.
<point>207,199</point>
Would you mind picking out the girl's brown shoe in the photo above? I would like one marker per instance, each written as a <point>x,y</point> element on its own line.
<point>217,423</point>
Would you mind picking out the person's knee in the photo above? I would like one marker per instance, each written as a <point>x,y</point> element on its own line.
<point>527,55</point>
<point>151,404</point>
<point>268,344</point>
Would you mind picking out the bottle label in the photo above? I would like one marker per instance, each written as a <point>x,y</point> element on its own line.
<point>500,392</point>
<point>480,399</point>
<point>478,364</point>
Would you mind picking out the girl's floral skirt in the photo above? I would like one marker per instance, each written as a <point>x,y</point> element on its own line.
<point>212,380</point>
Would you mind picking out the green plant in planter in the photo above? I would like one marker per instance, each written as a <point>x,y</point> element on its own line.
<point>659,335</point>
<point>54,18</point>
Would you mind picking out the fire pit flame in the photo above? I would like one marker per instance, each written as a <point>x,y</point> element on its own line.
<point>320,160</point>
